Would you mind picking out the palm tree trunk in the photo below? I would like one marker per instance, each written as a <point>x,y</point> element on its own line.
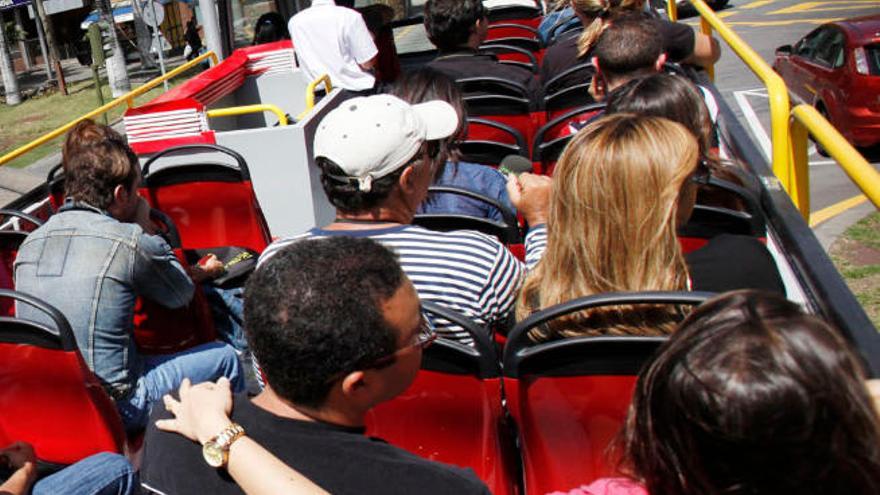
<point>10,80</point>
<point>117,75</point>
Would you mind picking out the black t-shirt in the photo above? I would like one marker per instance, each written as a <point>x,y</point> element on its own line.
<point>730,262</point>
<point>468,63</point>
<point>678,43</point>
<point>339,459</point>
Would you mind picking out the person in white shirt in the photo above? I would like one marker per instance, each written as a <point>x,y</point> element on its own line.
<point>334,40</point>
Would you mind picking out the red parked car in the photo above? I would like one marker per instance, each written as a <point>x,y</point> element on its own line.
<point>836,68</point>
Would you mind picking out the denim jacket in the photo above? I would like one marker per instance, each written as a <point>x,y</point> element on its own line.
<point>92,267</point>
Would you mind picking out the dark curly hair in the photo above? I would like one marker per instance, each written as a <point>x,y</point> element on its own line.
<point>752,396</point>
<point>96,159</point>
<point>312,313</point>
<point>449,22</point>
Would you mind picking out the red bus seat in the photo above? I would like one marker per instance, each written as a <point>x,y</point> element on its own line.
<point>488,142</point>
<point>506,230</point>
<point>15,228</point>
<point>570,397</point>
<point>499,100</point>
<point>50,397</point>
<point>212,204</point>
<point>568,90</point>
<point>161,330</point>
<point>452,412</point>
<point>553,136</point>
<point>516,14</point>
<point>512,54</point>
<point>55,187</point>
<point>708,221</point>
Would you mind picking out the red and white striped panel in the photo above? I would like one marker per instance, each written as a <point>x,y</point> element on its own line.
<point>187,122</point>
<point>270,62</point>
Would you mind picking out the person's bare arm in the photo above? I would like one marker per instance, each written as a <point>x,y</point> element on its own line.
<point>19,456</point>
<point>369,64</point>
<point>203,411</point>
<point>874,391</point>
<point>706,52</point>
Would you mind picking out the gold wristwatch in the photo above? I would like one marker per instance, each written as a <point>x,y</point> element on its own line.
<point>216,450</point>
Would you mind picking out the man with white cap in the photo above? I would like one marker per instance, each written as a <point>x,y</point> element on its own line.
<point>378,156</point>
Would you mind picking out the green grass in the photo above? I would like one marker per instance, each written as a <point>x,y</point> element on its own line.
<point>23,123</point>
<point>857,257</point>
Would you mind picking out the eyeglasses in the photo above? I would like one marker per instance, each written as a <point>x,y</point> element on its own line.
<point>426,336</point>
<point>702,174</point>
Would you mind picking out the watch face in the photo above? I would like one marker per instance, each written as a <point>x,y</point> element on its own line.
<point>213,454</point>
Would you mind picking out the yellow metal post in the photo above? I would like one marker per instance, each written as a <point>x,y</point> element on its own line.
<point>800,180</point>
<point>776,91</point>
<point>706,29</point>
<point>672,10</point>
<point>856,167</point>
<point>310,94</point>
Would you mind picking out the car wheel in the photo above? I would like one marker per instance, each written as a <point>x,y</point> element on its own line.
<point>719,4</point>
<point>824,113</point>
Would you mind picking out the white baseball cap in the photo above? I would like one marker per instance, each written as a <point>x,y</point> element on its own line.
<point>371,137</point>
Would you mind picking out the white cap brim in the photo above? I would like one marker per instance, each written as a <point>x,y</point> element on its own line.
<point>439,117</point>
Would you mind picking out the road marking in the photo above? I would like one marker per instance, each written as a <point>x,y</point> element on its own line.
<point>758,4</point>
<point>788,22</point>
<point>403,32</point>
<point>836,209</point>
<point>822,7</point>
<point>753,122</point>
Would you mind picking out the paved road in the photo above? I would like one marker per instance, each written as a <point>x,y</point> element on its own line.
<point>765,25</point>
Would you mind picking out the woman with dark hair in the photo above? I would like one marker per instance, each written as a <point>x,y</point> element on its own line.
<point>678,99</point>
<point>750,396</point>
<point>427,84</point>
<point>270,27</point>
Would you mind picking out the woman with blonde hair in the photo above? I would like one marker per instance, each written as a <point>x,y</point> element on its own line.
<point>621,188</point>
<point>681,43</point>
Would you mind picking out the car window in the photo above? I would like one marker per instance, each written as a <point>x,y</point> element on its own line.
<point>872,53</point>
<point>830,50</point>
<point>808,46</point>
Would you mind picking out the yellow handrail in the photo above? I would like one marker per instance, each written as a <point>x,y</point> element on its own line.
<point>127,98</point>
<point>263,107</point>
<point>672,10</point>
<point>807,120</point>
<point>776,91</point>
<point>310,94</point>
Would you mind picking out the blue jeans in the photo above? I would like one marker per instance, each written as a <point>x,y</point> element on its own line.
<point>100,474</point>
<point>163,374</point>
<point>482,179</point>
<point>227,309</point>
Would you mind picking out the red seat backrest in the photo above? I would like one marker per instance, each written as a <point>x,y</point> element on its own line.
<point>569,397</point>
<point>211,214</point>
<point>452,412</point>
<point>50,397</point>
<point>161,330</point>
<point>551,138</point>
<point>7,307</point>
<point>566,425</point>
<point>453,419</point>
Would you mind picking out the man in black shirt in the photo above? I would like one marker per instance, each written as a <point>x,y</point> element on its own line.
<point>457,28</point>
<point>337,328</point>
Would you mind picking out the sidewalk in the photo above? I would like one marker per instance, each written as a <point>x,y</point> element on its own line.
<point>34,79</point>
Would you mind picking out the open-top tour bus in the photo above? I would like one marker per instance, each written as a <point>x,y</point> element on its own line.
<point>227,156</point>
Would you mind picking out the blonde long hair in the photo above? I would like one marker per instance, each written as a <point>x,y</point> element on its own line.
<point>612,226</point>
<point>600,11</point>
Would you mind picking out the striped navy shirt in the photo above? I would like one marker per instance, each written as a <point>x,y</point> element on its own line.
<point>467,271</point>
